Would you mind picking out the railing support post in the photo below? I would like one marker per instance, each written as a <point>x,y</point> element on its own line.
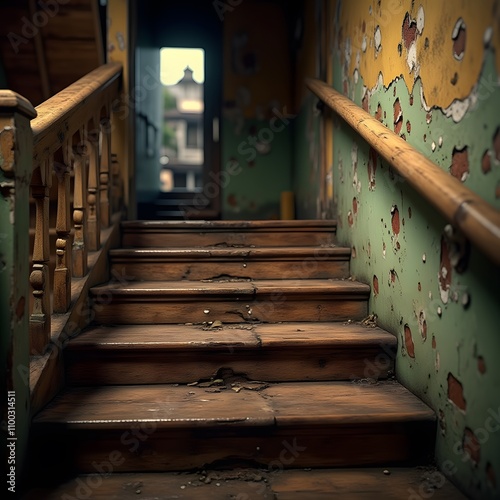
<point>16,152</point>
<point>80,251</point>
<point>40,278</point>
<point>62,272</point>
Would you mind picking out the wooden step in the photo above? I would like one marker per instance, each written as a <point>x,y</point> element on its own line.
<point>215,262</point>
<point>169,234</point>
<point>271,482</point>
<point>152,354</point>
<point>146,302</point>
<point>167,427</point>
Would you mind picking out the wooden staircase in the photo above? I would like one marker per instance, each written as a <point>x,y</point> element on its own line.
<point>221,347</point>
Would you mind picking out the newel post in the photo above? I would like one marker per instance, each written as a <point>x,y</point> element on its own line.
<point>16,154</point>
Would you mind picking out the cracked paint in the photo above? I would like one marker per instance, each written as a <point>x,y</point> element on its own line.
<point>460,163</point>
<point>7,149</point>
<point>456,392</point>
<point>408,342</point>
<point>471,446</point>
<point>432,287</point>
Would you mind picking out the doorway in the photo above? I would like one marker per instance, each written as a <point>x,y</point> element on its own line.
<point>186,39</point>
<point>182,73</point>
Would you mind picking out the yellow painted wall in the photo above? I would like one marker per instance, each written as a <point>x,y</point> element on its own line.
<point>436,64</point>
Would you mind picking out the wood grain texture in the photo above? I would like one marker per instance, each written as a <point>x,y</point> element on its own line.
<point>185,354</point>
<point>253,263</point>
<point>256,484</point>
<point>247,425</point>
<point>141,234</point>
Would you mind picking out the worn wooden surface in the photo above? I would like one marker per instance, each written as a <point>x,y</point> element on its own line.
<point>333,423</point>
<point>145,302</point>
<point>187,353</point>
<point>223,372</point>
<point>229,233</point>
<point>264,483</point>
<point>216,262</point>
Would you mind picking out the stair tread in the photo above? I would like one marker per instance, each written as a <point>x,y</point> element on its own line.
<point>216,253</point>
<point>363,483</point>
<point>299,404</point>
<point>197,337</point>
<point>307,224</point>
<point>239,287</point>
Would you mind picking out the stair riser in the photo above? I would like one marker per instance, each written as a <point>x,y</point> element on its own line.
<point>115,368</point>
<point>230,311</point>
<point>250,270</point>
<point>145,447</point>
<point>142,239</point>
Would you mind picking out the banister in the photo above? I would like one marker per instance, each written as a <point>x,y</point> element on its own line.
<point>477,219</point>
<point>62,115</point>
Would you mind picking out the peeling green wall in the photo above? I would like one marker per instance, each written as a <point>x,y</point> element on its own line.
<point>256,123</point>
<point>306,157</point>
<point>444,315</point>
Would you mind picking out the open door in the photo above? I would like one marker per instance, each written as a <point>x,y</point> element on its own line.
<point>188,39</point>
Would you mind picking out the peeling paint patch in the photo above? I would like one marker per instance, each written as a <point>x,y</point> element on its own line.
<point>445,272</point>
<point>481,365</point>
<point>459,37</point>
<point>422,325</point>
<point>375,285</point>
<point>410,346</point>
<point>372,168</point>
<point>232,201</point>
<point>378,40</point>
<point>7,149</point>
<point>393,275</point>
<point>496,144</point>
<point>378,114</point>
<point>486,162</point>
<point>350,218</point>
<point>434,344</point>
<point>471,446</point>
<point>396,226</point>
<point>353,252</point>
<point>491,476</point>
<point>355,206</point>
<point>456,392</point>
<point>365,103</point>
<point>460,163</point>
<point>398,116</point>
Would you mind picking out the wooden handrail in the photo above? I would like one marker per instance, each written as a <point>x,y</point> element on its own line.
<point>62,115</point>
<point>477,219</point>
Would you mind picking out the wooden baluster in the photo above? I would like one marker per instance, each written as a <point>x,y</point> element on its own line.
<point>62,272</point>
<point>116,184</point>
<point>79,213</point>
<point>39,278</point>
<point>93,198</point>
<point>105,171</point>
